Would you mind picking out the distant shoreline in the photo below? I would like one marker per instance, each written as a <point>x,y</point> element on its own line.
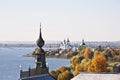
<point>51,56</point>
<point>25,44</point>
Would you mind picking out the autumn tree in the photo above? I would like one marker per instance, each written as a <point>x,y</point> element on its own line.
<point>99,64</point>
<point>75,73</point>
<point>75,61</point>
<point>80,48</point>
<point>78,68</point>
<point>63,69</point>
<point>85,63</point>
<point>67,75</point>
<point>53,74</point>
<point>87,53</point>
<point>82,67</point>
<point>96,53</point>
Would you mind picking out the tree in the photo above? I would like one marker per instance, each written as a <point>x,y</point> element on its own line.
<point>80,48</point>
<point>75,73</point>
<point>53,74</point>
<point>63,69</point>
<point>96,53</point>
<point>82,67</point>
<point>65,76</point>
<point>75,60</point>
<point>99,64</point>
<point>78,68</point>
<point>85,63</point>
<point>87,52</point>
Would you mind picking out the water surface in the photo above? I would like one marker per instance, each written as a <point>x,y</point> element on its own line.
<point>11,59</point>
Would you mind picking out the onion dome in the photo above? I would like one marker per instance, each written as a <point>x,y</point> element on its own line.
<point>83,43</point>
<point>40,42</point>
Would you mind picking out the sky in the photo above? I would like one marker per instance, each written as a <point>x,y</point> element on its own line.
<point>93,20</point>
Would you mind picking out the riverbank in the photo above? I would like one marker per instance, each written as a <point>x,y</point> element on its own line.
<point>61,56</point>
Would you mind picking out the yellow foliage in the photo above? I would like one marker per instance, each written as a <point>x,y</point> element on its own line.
<point>57,72</point>
<point>63,68</point>
<point>87,52</point>
<point>75,73</point>
<point>85,63</point>
<point>99,64</point>
<point>96,52</point>
<point>65,76</point>
<point>72,61</point>
<point>82,67</point>
<point>79,68</point>
<point>76,60</point>
<point>53,74</point>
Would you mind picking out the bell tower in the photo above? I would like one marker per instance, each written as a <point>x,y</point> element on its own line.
<point>40,59</point>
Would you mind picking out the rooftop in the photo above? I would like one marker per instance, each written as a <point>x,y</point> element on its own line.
<point>39,77</point>
<point>89,76</point>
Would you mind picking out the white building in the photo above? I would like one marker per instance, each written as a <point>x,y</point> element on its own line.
<point>65,44</point>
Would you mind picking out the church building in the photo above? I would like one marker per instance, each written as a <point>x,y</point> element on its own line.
<point>65,44</point>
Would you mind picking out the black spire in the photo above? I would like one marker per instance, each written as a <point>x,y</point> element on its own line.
<point>40,42</point>
<point>83,43</point>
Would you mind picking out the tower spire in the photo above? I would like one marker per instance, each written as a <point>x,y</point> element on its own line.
<point>40,42</point>
<point>40,60</point>
<point>40,55</point>
<point>83,43</point>
<point>40,24</point>
<point>40,27</point>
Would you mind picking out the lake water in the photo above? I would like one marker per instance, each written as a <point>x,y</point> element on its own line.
<point>11,59</point>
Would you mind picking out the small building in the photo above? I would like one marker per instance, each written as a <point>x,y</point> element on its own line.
<point>41,70</point>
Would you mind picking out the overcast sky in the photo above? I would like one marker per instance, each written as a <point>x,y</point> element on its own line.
<point>93,20</point>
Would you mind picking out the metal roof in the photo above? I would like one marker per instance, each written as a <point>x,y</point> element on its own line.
<point>39,77</point>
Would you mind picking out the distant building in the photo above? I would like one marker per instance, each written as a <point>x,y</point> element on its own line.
<point>41,70</point>
<point>83,42</point>
<point>65,44</point>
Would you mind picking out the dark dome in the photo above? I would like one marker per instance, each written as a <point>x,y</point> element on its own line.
<point>40,42</point>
